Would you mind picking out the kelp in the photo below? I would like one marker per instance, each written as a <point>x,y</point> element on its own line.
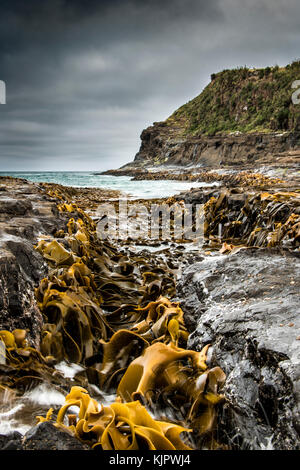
<point>56,254</point>
<point>118,277</point>
<point>140,353</point>
<point>17,350</point>
<point>88,277</point>
<point>75,316</point>
<point>120,426</point>
<point>176,377</point>
<point>110,312</point>
<point>23,366</point>
<point>241,178</point>
<point>87,198</point>
<point>161,320</point>
<point>262,219</point>
<point>154,366</point>
<point>123,347</point>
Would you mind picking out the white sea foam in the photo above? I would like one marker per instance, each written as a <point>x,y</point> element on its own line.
<point>45,395</point>
<point>12,411</point>
<point>268,445</point>
<point>7,422</point>
<point>7,427</point>
<point>68,370</point>
<point>33,401</point>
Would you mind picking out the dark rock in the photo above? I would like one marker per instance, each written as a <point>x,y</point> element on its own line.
<point>165,145</point>
<point>26,213</point>
<point>12,441</point>
<point>247,306</point>
<point>15,207</point>
<point>46,436</point>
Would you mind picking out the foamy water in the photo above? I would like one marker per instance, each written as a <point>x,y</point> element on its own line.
<point>19,413</point>
<point>138,189</point>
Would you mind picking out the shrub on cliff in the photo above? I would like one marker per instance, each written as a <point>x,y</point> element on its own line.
<point>245,100</point>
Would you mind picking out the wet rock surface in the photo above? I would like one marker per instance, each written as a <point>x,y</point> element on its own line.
<point>12,441</point>
<point>26,213</point>
<point>247,306</point>
<point>44,436</point>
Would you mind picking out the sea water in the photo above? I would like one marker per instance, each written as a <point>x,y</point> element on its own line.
<point>148,189</point>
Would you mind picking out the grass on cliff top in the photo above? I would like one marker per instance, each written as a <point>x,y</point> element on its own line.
<point>243,100</point>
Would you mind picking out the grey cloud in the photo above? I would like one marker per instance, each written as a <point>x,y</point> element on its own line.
<point>85,77</point>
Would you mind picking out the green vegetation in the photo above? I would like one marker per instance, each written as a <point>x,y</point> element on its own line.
<point>244,100</point>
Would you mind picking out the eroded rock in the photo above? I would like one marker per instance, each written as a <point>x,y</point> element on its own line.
<point>247,306</point>
<point>46,436</point>
<point>26,213</point>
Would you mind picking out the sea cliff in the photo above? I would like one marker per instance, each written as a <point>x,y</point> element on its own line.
<point>243,117</point>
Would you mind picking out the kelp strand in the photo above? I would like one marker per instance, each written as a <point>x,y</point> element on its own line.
<point>111,313</point>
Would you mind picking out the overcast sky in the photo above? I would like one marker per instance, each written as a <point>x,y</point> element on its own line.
<point>85,77</point>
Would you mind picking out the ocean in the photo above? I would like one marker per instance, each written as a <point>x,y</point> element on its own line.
<point>86,179</point>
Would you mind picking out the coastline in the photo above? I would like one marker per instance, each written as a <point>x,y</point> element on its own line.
<point>209,316</point>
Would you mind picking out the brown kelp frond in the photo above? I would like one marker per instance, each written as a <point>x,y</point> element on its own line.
<point>23,366</point>
<point>111,313</point>
<point>78,320</point>
<point>56,254</point>
<point>90,275</point>
<point>140,351</point>
<point>261,219</point>
<point>161,319</point>
<point>119,352</point>
<point>17,350</point>
<point>120,426</point>
<point>163,369</point>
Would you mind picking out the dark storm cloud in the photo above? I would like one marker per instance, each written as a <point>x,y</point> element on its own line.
<point>85,77</point>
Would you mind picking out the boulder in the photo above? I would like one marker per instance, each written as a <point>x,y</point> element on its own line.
<point>246,305</point>
<point>46,436</point>
<point>12,441</point>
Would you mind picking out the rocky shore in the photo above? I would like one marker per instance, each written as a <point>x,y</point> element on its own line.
<point>27,213</point>
<point>247,306</point>
<point>232,305</point>
<point>159,147</point>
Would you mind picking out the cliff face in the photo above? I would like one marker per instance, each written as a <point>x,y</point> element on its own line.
<point>243,116</point>
<point>212,151</point>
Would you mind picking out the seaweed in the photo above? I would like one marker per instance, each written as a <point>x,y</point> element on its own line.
<point>120,426</point>
<point>111,313</point>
